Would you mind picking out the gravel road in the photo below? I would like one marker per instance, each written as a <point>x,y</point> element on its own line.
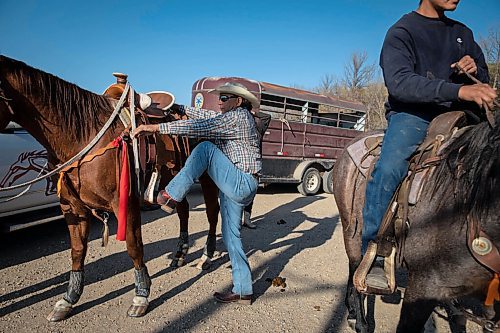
<point>307,250</point>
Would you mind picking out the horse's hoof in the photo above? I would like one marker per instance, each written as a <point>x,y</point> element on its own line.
<point>177,262</point>
<point>204,263</point>
<point>352,324</point>
<point>139,307</point>
<point>60,312</point>
<point>210,246</point>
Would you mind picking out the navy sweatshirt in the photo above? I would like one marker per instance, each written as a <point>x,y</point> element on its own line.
<point>416,58</point>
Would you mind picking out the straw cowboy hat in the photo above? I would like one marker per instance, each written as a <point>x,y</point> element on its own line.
<point>237,89</point>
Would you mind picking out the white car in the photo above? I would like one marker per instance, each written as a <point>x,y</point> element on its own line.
<point>23,159</point>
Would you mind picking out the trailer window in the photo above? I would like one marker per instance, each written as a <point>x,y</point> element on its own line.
<point>280,107</point>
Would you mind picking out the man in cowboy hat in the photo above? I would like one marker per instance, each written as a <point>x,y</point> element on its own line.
<point>233,161</point>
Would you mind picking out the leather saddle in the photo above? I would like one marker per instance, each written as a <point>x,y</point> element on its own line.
<point>154,104</point>
<point>392,233</point>
<point>152,107</point>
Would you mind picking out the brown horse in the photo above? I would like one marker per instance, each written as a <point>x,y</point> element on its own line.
<point>64,119</point>
<point>439,262</point>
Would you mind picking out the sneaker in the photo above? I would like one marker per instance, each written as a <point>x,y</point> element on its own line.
<point>167,204</point>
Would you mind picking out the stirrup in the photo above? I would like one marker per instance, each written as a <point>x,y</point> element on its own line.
<point>373,286</point>
<point>152,190</point>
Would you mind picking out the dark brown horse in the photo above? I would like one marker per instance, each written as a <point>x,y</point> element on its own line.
<point>439,262</point>
<point>64,119</point>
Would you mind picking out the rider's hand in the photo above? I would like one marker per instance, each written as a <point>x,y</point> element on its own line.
<point>175,108</point>
<point>145,130</point>
<point>481,94</point>
<point>467,65</point>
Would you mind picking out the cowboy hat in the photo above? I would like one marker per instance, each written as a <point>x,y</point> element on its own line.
<point>237,89</point>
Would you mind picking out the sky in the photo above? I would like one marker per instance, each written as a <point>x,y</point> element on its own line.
<point>168,45</point>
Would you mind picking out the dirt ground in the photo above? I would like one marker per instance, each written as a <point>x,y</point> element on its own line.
<point>307,250</point>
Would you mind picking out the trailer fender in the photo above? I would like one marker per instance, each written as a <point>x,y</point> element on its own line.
<point>304,165</point>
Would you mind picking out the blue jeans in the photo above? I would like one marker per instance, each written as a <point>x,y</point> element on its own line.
<point>237,189</point>
<point>404,133</point>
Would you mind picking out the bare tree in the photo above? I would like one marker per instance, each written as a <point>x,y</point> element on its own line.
<point>328,85</point>
<point>297,86</point>
<point>358,73</point>
<point>361,82</point>
<point>373,97</point>
<point>491,49</point>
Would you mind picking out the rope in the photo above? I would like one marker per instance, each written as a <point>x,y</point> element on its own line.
<point>83,151</point>
<point>284,122</point>
<point>135,148</point>
<point>489,114</point>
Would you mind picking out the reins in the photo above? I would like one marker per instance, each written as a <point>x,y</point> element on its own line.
<point>487,324</point>
<point>489,113</point>
<point>83,151</point>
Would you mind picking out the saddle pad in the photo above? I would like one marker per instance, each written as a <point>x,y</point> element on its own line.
<point>358,150</point>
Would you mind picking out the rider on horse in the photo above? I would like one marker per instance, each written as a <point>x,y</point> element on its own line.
<point>424,59</point>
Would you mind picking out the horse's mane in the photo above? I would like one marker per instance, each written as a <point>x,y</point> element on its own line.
<point>77,108</point>
<point>473,160</point>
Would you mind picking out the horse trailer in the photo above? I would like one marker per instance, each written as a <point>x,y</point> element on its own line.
<point>306,135</point>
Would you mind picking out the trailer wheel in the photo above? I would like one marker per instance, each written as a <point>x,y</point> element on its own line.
<point>328,181</point>
<point>311,182</point>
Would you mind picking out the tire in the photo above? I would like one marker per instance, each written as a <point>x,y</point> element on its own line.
<point>311,182</point>
<point>328,181</point>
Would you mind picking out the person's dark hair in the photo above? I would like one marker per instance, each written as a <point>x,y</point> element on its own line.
<point>246,105</point>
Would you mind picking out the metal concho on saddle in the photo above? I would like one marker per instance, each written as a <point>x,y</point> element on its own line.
<point>392,232</point>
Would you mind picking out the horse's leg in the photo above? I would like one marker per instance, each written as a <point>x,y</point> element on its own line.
<point>210,195</point>
<point>135,249</point>
<point>79,233</point>
<point>179,258</point>
<point>355,303</point>
<point>416,309</point>
<point>456,318</point>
